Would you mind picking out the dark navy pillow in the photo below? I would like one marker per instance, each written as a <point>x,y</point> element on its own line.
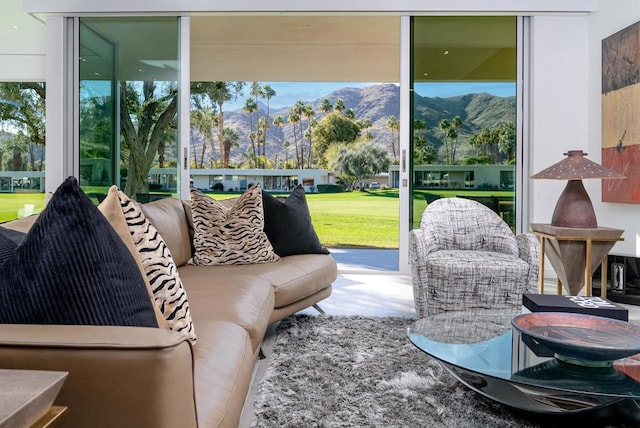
<point>9,240</point>
<point>288,225</point>
<point>72,268</point>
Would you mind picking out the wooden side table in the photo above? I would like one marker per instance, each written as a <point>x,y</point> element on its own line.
<point>53,418</point>
<point>575,254</point>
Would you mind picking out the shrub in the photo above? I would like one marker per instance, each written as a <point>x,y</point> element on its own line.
<point>330,188</point>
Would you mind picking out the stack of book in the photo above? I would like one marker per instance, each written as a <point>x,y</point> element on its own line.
<point>574,304</point>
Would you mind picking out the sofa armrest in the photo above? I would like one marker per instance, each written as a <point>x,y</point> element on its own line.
<point>118,376</point>
<point>529,251</point>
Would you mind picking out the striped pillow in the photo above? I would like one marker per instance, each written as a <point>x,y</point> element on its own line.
<point>160,268</point>
<point>230,234</point>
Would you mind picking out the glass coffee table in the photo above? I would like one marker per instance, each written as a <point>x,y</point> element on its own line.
<point>481,350</point>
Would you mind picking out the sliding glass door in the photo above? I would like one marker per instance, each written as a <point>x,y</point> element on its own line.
<point>129,70</point>
<point>463,112</point>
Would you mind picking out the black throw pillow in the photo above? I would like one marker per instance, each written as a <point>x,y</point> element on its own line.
<point>9,240</point>
<point>72,268</point>
<point>288,225</point>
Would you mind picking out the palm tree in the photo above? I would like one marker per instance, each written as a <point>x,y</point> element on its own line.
<point>298,108</point>
<point>339,107</point>
<point>444,125</point>
<point>278,122</point>
<point>326,106</point>
<point>250,106</point>
<point>286,146</point>
<point>293,119</point>
<point>219,93</point>
<point>365,125</point>
<point>309,113</point>
<point>257,92</point>
<point>269,93</point>
<point>507,139</point>
<point>262,132</point>
<point>393,124</point>
<point>419,140</point>
<point>230,138</point>
<point>456,124</point>
<point>204,120</point>
<point>350,113</point>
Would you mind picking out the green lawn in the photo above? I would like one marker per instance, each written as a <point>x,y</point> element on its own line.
<point>367,219</point>
<point>351,219</point>
<point>356,219</point>
<point>14,205</point>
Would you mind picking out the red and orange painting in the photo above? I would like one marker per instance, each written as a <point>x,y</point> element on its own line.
<point>621,114</point>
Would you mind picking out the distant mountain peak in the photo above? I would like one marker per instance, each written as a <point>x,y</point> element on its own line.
<point>377,102</point>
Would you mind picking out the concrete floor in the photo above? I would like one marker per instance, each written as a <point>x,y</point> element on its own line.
<point>368,284</point>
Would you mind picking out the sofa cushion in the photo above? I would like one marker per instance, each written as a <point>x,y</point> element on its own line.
<point>235,235</point>
<point>292,278</point>
<point>169,218</point>
<point>230,295</point>
<point>21,224</point>
<point>288,224</point>
<point>72,268</point>
<point>223,366</point>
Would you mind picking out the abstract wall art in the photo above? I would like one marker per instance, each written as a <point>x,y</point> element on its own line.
<point>621,114</point>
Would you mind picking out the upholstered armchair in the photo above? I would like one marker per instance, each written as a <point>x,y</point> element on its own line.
<point>464,256</point>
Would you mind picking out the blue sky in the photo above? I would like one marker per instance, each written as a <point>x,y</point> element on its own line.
<point>452,89</point>
<point>287,93</point>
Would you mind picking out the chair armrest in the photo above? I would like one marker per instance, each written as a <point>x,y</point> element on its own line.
<point>118,376</point>
<point>528,248</point>
<point>529,251</point>
<point>420,246</point>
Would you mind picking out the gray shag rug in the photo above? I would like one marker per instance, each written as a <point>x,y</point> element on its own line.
<point>351,371</point>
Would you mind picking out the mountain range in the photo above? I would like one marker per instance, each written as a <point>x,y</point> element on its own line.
<point>377,103</point>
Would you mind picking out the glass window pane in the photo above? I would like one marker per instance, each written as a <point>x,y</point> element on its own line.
<point>22,149</point>
<point>463,95</point>
<point>129,71</point>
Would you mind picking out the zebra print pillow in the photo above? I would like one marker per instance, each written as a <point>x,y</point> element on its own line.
<point>230,235</point>
<point>161,270</point>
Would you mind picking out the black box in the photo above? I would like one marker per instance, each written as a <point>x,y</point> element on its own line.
<point>574,304</point>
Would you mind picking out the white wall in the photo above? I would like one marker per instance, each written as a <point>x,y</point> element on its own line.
<point>611,17</point>
<point>558,102</point>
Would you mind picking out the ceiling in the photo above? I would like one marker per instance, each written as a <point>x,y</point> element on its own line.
<point>296,48</point>
<point>290,47</point>
<point>22,44</point>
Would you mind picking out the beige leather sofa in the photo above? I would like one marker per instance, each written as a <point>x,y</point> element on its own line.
<point>142,377</point>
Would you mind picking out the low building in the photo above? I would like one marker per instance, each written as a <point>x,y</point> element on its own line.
<point>479,177</point>
<point>269,179</point>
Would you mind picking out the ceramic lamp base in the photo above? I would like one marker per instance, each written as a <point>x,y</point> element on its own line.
<point>574,208</point>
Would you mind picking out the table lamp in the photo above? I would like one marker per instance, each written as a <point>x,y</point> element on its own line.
<point>574,208</point>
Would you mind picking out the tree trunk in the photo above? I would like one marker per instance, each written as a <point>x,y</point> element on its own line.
<point>32,158</point>
<point>204,150</point>
<point>221,133</point>
<point>136,175</point>
<point>145,142</point>
<point>17,160</point>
